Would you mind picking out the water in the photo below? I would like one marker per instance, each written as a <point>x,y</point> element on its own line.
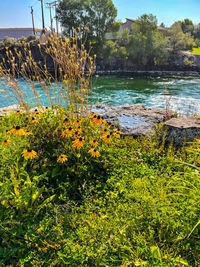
<point>183,92</point>
<point>131,121</point>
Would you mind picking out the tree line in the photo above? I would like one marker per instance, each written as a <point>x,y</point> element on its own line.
<point>145,44</point>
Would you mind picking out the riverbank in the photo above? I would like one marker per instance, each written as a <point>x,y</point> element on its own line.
<point>147,73</point>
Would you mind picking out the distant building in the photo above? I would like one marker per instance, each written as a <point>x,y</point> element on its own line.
<point>16,32</point>
<point>127,25</point>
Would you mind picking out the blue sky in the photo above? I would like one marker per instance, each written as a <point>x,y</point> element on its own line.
<point>16,13</point>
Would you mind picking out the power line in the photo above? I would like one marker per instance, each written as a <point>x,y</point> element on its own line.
<point>50,5</point>
<point>55,5</point>
<point>33,20</point>
<point>42,8</point>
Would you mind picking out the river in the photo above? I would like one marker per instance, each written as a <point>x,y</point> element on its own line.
<point>181,92</point>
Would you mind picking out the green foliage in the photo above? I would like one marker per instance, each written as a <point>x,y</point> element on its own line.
<point>109,51</point>
<point>187,26</point>
<point>97,15</point>
<point>147,45</point>
<point>31,38</point>
<point>196,50</point>
<point>136,204</point>
<point>180,40</point>
<point>188,62</point>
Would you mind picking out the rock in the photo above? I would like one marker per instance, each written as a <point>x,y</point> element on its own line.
<point>181,130</point>
<point>6,110</point>
<point>132,120</point>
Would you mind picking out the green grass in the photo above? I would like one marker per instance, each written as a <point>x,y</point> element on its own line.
<point>196,50</point>
<point>135,205</point>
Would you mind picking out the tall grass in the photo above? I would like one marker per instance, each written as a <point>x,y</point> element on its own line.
<point>68,84</point>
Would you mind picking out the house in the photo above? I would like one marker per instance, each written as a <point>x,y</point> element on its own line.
<point>16,32</point>
<point>127,25</point>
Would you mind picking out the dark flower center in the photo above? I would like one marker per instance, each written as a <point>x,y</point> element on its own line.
<point>94,141</point>
<point>76,133</point>
<point>36,110</point>
<point>17,127</point>
<point>61,157</point>
<point>108,136</point>
<point>95,150</point>
<point>77,121</point>
<point>98,117</point>
<point>66,120</point>
<point>33,118</point>
<point>95,116</point>
<point>46,107</point>
<point>29,150</point>
<point>70,128</point>
<point>105,130</point>
<point>5,141</point>
<point>80,139</point>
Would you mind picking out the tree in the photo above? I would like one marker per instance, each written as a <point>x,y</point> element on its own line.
<point>147,46</point>
<point>180,40</point>
<point>98,16</point>
<point>187,26</point>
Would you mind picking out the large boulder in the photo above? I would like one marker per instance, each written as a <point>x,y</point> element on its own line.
<point>181,130</point>
<point>132,120</point>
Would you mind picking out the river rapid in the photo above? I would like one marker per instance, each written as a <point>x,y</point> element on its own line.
<point>181,93</point>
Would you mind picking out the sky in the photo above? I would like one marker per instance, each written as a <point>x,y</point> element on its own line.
<point>16,13</point>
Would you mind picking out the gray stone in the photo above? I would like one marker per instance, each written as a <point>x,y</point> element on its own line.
<point>181,130</point>
<point>8,109</point>
<point>132,120</point>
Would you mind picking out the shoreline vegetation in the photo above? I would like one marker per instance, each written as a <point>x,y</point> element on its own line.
<point>75,192</point>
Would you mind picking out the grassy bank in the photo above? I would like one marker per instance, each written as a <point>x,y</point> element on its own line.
<point>103,200</point>
<point>196,50</point>
<point>73,191</point>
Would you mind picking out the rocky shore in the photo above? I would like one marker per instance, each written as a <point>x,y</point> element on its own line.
<point>137,120</point>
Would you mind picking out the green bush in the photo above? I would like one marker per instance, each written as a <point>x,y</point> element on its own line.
<point>133,204</point>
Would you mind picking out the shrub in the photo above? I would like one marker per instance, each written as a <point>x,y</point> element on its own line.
<point>31,38</point>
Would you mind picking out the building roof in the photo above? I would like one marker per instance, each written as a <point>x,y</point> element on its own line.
<point>16,29</point>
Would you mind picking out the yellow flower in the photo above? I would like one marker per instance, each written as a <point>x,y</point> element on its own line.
<point>33,120</point>
<point>66,120</point>
<point>94,143</point>
<point>47,108</point>
<point>91,115</point>
<point>29,154</point>
<point>105,131</point>
<point>62,158</point>
<point>76,134</point>
<point>117,131</point>
<point>96,120</point>
<point>5,142</point>
<point>67,133</point>
<point>78,142</point>
<point>107,138</point>
<point>19,112</point>
<point>28,133</point>
<point>117,135</point>
<point>94,152</point>
<point>36,112</point>
<point>18,131</point>
<point>77,123</point>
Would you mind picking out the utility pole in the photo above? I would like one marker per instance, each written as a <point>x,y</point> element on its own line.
<point>49,5</point>
<point>33,20</point>
<point>55,5</point>
<point>42,15</point>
